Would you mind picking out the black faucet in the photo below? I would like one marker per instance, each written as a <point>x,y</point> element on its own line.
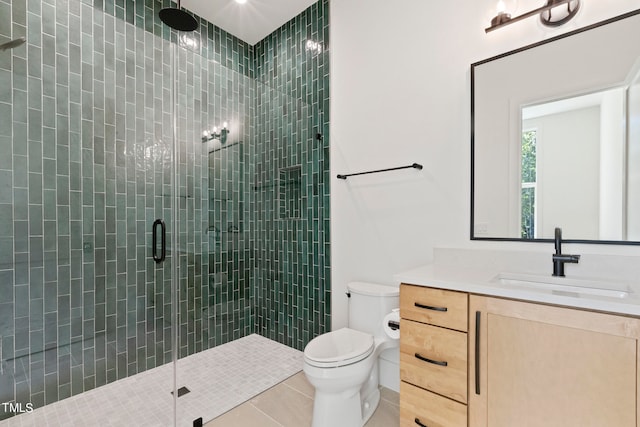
<point>559,259</point>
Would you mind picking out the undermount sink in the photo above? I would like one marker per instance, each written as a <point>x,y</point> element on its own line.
<point>563,286</point>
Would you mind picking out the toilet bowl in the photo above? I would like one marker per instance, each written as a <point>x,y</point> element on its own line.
<point>342,365</point>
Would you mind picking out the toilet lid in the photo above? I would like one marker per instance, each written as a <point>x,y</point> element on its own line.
<point>338,348</point>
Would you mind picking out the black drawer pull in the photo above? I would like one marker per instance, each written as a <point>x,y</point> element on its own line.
<point>425,359</point>
<point>429,307</point>
<point>477,353</point>
<point>417,420</point>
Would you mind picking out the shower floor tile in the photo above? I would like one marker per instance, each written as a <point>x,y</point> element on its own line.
<point>218,380</point>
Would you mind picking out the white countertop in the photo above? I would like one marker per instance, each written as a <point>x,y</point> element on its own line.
<point>483,281</point>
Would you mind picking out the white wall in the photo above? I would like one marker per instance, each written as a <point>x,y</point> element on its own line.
<point>400,93</point>
<point>568,173</point>
<point>633,166</point>
<point>612,165</point>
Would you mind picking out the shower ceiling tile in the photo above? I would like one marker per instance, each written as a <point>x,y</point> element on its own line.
<point>250,22</point>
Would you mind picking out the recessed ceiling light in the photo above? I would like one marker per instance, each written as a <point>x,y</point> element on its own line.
<point>241,1</point>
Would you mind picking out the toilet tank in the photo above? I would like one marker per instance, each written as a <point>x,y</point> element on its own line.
<point>368,304</point>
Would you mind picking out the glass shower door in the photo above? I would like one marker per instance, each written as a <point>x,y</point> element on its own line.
<point>87,169</point>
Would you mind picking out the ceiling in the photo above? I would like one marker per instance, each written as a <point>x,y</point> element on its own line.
<point>251,21</point>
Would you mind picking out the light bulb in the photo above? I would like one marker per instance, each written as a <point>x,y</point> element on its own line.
<point>506,6</point>
<point>224,125</point>
<point>504,10</point>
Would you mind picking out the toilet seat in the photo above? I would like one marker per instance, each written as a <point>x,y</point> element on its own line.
<point>338,348</point>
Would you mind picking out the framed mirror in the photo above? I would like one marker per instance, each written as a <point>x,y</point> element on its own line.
<point>555,138</point>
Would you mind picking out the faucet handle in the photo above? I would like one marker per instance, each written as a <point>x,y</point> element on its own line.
<point>558,240</point>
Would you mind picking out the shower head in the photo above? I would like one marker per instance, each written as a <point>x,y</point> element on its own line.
<point>178,19</point>
<point>12,43</point>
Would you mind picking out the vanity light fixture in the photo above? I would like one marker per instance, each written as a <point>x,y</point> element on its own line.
<point>553,14</point>
<point>221,135</point>
<point>315,47</point>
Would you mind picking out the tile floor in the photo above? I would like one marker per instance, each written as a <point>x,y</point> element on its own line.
<point>290,404</point>
<point>219,379</point>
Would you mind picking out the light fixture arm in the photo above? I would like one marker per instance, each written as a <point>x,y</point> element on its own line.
<point>551,4</point>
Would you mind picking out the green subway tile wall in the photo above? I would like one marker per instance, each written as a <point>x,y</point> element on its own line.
<point>290,203</point>
<point>86,125</point>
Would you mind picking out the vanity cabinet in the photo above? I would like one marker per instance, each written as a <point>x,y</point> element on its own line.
<point>433,357</point>
<point>526,364</point>
<point>534,364</point>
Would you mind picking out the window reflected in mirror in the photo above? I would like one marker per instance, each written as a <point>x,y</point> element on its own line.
<point>528,195</point>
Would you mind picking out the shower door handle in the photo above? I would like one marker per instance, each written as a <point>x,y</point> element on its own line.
<point>163,243</point>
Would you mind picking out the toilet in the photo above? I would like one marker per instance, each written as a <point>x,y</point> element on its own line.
<point>342,365</point>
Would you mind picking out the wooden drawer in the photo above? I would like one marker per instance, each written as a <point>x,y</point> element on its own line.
<point>434,306</point>
<point>429,409</point>
<point>434,358</point>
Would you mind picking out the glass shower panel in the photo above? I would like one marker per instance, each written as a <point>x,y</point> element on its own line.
<point>86,169</point>
<point>213,111</point>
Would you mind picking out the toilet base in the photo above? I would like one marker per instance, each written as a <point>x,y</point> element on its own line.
<point>331,410</point>
<point>370,393</point>
<point>369,405</point>
<point>348,408</point>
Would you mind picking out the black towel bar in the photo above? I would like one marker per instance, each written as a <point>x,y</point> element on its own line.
<point>414,166</point>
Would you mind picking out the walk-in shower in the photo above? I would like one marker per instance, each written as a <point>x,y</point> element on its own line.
<point>102,111</point>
